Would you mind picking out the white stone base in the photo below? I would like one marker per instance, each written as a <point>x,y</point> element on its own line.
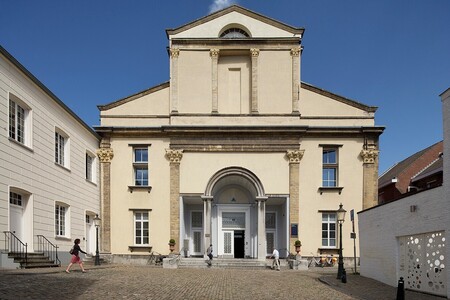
<point>170,263</point>
<point>299,264</point>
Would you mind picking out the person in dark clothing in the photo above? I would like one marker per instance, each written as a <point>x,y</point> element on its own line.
<point>76,257</point>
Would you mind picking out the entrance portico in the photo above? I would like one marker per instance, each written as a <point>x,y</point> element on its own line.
<point>231,215</point>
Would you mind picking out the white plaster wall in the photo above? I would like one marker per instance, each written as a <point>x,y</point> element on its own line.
<point>382,225</point>
<point>446,121</point>
<point>33,169</point>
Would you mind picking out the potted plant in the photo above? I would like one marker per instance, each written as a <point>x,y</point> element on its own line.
<point>172,245</point>
<point>297,245</point>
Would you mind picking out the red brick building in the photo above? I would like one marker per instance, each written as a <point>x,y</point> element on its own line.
<point>420,171</point>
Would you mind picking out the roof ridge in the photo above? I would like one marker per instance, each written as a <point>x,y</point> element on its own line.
<point>426,167</point>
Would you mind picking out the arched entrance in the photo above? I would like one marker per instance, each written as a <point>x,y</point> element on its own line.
<point>231,215</point>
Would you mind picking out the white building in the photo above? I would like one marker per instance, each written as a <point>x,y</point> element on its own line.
<point>49,175</point>
<point>408,237</point>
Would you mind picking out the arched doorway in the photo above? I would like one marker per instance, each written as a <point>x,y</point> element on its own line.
<point>231,215</point>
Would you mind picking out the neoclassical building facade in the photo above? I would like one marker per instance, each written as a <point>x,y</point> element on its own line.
<point>234,150</point>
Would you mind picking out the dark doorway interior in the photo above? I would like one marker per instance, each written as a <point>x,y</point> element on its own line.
<point>239,244</point>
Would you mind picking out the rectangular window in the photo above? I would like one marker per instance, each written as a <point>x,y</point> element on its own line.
<point>18,115</point>
<point>89,167</point>
<point>59,148</point>
<point>329,168</point>
<point>140,165</point>
<point>141,228</point>
<point>15,199</point>
<point>60,219</point>
<point>329,230</point>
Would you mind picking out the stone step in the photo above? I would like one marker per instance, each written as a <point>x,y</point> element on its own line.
<point>227,263</point>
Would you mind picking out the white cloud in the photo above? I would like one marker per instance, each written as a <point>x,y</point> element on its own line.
<point>220,4</point>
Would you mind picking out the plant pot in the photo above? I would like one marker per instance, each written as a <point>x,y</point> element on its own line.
<point>171,247</point>
<point>297,249</point>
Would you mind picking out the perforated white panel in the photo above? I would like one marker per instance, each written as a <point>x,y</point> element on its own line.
<point>422,262</point>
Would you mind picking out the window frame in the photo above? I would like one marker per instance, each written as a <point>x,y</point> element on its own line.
<point>13,127</point>
<point>62,221</point>
<point>90,169</point>
<point>18,200</point>
<point>62,159</point>
<point>142,222</point>
<point>328,165</point>
<point>140,166</point>
<point>328,230</point>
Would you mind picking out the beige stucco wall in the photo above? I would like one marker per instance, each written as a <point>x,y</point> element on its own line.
<point>123,200</point>
<point>213,28</point>
<point>194,82</point>
<point>312,202</point>
<point>196,169</point>
<point>275,82</point>
<point>314,105</point>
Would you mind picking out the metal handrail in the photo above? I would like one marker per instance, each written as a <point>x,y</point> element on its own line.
<point>15,246</point>
<point>47,247</point>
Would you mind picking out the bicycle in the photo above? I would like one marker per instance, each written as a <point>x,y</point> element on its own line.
<point>313,262</point>
<point>155,259</point>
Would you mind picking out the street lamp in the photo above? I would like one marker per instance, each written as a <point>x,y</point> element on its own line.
<point>97,225</point>
<point>341,218</point>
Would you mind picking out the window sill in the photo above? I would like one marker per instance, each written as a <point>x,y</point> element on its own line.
<point>147,188</point>
<point>20,144</point>
<point>140,248</point>
<point>62,238</point>
<point>330,250</point>
<point>91,182</point>
<point>62,167</point>
<point>330,189</point>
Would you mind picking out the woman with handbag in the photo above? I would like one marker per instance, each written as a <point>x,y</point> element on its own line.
<point>75,251</point>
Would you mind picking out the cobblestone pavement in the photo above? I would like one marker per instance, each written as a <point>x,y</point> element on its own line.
<point>139,282</point>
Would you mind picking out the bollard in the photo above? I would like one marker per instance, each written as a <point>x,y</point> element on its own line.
<point>344,276</point>
<point>401,289</point>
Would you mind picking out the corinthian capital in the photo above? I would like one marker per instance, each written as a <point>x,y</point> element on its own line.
<point>254,52</point>
<point>295,51</point>
<point>174,156</point>
<point>295,156</point>
<point>214,53</point>
<point>369,156</point>
<point>174,52</point>
<point>105,154</point>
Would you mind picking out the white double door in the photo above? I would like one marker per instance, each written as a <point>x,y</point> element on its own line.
<point>233,227</point>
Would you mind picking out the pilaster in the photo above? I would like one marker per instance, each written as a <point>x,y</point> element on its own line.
<point>370,176</point>
<point>214,53</point>
<point>105,155</point>
<point>174,53</point>
<point>294,157</point>
<point>255,54</point>
<point>174,157</point>
<point>295,54</point>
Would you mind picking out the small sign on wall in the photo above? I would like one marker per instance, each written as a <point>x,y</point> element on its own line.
<point>294,230</point>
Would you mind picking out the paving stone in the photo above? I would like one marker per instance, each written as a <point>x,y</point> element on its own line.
<point>144,282</point>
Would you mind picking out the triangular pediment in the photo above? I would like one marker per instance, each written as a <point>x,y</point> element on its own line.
<point>257,25</point>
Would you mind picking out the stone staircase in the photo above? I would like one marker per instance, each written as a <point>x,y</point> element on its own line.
<point>234,263</point>
<point>34,260</point>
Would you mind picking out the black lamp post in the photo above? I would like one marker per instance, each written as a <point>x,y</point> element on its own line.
<point>97,225</point>
<point>341,218</point>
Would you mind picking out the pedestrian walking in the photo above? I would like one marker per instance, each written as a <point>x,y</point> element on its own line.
<point>276,259</point>
<point>75,251</point>
<point>209,253</point>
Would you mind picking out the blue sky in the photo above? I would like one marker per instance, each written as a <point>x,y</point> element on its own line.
<point>385,53</point>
